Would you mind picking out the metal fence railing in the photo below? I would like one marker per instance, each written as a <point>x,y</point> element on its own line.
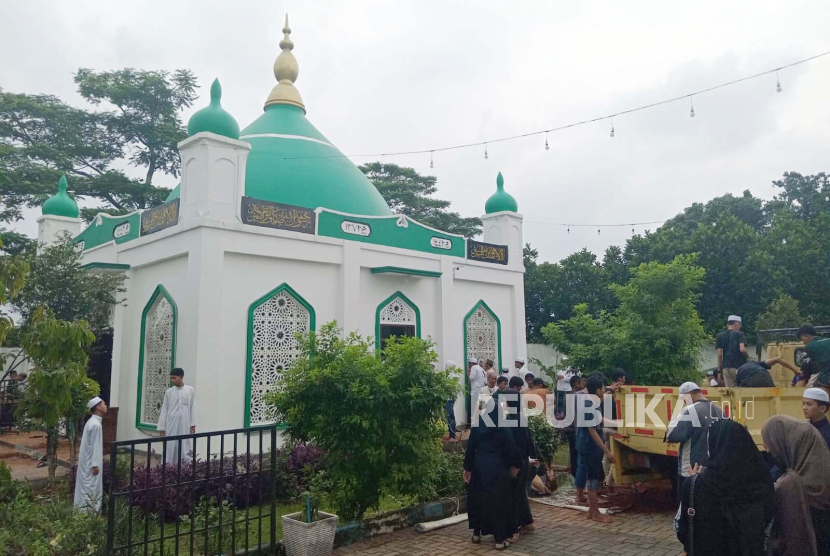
<point>11,390</point>
<point>203,493</point>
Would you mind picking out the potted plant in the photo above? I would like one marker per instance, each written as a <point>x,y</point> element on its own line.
<point>309,532</point>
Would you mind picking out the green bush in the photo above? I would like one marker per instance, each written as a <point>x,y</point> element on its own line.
<point>547,438</point>
<point>51,527</point>
<point>449,481</point>
<point>379,421</point>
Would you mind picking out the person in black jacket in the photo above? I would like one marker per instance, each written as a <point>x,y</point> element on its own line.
<point>529,454</point>
<point>491,463</point>
<point>726,506</point>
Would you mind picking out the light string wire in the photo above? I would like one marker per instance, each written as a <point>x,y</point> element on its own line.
<point>595,225</point>
<point>575,124</point>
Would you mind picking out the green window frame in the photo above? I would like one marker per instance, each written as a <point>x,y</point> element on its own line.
<point>482,305</point>
<point>160,291</point>
<point>386,302</point>
<point>312,325</point>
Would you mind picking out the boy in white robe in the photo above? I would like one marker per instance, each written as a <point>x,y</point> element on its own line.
<point>89,480</point>
<point>177,417</point>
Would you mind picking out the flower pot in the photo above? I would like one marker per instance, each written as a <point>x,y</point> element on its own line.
<point>308,539</point>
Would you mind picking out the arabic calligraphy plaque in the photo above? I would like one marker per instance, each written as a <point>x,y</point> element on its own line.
<point>160,217</point>
<point>486,252</point>
<point>278,215</point>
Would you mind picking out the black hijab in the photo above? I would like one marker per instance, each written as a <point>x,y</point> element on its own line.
<point>735,466</point>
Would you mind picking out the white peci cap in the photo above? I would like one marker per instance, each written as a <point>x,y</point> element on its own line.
<point>520,360</point>
<point>472,360</point>
<point>736,318</point>
<point>688,387</point>
<point>816,394</point>
<point>90,405</point>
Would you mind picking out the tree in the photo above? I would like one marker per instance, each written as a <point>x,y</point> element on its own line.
<point>655,332</point>
<point>58,350</point>
<point>379,421</point>
<point>41,138</point>
<point>13,272</point>
<point>58,281</point>
<point>408,192</point>
<point>781,313</point>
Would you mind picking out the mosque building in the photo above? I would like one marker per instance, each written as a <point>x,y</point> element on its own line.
<point>273,231</point>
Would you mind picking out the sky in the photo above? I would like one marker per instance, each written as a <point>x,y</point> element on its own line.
<point>420,75</point>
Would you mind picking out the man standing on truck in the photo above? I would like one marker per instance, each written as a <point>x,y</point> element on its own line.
<point>691,430</point>
<point>818,350</point>
<point>731,346</point>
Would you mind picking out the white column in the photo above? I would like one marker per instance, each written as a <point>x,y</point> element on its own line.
<point>51,228</point>
<point>350,288</point>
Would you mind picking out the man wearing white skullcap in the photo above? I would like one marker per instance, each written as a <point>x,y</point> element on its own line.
<point>815,405</point>
<point>478,378</point>
<point>89,484</point>
<point>731,346</point>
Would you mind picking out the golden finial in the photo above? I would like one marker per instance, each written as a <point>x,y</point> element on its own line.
<point>286,71</point>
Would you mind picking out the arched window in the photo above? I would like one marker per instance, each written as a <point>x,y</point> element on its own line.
<point>396,316</point>
<point>156,357</point>
<point>482,334</point>
<point>273,321</point>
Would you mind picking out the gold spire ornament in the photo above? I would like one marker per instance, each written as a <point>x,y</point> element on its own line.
<point>286,70</point>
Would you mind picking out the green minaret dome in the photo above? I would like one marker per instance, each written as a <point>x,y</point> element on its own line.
<point>214,118</point>
<point>61,204</point>
<point>501,200</point>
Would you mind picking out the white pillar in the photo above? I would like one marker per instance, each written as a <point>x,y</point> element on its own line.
<point>350,288</point>
<point>51,228</point>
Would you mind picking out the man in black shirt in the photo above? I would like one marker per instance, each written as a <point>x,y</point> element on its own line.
<point>731,346</point>
<point>755,374</point>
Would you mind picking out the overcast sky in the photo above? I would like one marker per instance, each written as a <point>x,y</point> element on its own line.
<point>395,76</point>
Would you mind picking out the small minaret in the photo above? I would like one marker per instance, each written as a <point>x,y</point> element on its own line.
<point>213,164</point>
<point>60,216</point>
<point>502,222</point>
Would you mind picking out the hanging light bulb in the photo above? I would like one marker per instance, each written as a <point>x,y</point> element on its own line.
<point>777,82</point>
<point>485,152</point>
<point>569,229</point>
<point>612,127</point>
<point>632,230</point>
<point>547,147</point>
<point>692,113</point>
<point>599,231</point>
<point>381,163</point>
<point>430,160</point>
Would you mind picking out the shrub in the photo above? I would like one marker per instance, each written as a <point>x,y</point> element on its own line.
<point>379,421</point>
<point>547,438</point>
<point>449,482</point>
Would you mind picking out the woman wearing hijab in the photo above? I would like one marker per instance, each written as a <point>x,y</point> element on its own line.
<point>490,464</point>
<point>726,506</point>
<point>802,494</point>
<point>528,454</point>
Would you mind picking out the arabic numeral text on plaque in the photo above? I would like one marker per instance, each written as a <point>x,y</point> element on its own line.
<point>440,243</point>
<point>355,228</point>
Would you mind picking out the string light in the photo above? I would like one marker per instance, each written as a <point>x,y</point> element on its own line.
<point>547,147</point>
<point>570,225</point>
<point>381,163</point>
<point>777,82</point>
<point>485,152</point>
<point>612,126</point>
<point>579,123</point>
<point>430,159</point>
<point>599,231</point>
<point>569,229</point>
<point>692,101</point>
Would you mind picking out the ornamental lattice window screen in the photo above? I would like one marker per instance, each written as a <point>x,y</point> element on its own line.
<point>482,335</point>
<point>158,357</point>
<point>398,312</point>
<point>274,348</point>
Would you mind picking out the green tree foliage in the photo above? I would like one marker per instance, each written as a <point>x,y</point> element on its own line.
<point>13,272</point>
<point>655,332</point>
<point>57,350</point>
<point>379,421</point>
<point>57,281</point>
<point>41,138</point>
<point>408,192</point>
<point>781,313</point>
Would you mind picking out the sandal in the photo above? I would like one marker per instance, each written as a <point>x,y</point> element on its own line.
<point>476,539</point>
<point>502,545</point>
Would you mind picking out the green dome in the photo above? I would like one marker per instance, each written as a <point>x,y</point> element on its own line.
<point>214,118</point>
<point>61,204</point>
<point>500,200</point>
<point>292,162</point>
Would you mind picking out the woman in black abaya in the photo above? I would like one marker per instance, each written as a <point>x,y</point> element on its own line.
<point>727,505</point>
<point>522,516</point>
<point>490,462</point>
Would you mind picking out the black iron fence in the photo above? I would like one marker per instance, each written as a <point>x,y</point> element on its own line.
<point>11,390</point>
<point>204,493</point>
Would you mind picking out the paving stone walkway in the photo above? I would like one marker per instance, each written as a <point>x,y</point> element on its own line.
<point>559,531</point>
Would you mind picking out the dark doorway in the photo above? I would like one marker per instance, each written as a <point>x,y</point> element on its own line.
<point>389,330</point>
<point>99,367</point>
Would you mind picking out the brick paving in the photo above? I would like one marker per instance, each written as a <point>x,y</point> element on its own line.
<point>559,531</point>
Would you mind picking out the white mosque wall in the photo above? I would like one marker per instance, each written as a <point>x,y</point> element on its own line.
<point>214,272</point>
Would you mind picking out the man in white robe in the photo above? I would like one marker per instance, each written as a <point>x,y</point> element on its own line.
<point>177,417</point>
<point>478,379</point>
<point>89,480</point>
